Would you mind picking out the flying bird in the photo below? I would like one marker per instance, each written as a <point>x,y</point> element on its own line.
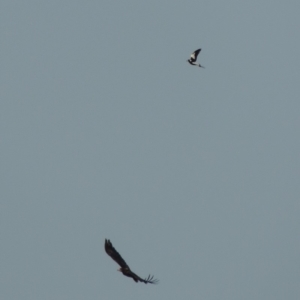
<point>113,253</point>
<point>193,58</point>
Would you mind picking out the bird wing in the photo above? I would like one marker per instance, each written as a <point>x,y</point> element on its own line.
<point>194,55</point>
<point>149,279</point>
<point>114,254</point>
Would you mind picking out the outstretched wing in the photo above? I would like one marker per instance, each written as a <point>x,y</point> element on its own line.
<point>194,55</point>
<point>114,254</point>
<point>149,279</point>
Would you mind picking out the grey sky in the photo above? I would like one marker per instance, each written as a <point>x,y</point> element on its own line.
<point>107,132</point>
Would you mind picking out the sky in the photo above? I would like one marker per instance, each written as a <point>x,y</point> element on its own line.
<point>107,132</point>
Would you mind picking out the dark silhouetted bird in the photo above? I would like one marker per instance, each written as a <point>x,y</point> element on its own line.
<point>113,253</point>
<point>193,58</point>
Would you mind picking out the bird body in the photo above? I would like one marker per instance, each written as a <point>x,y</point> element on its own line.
<point>192,60</point>
<point>114,254</point>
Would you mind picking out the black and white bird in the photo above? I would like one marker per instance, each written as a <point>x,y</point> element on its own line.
<point>193,58</point>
